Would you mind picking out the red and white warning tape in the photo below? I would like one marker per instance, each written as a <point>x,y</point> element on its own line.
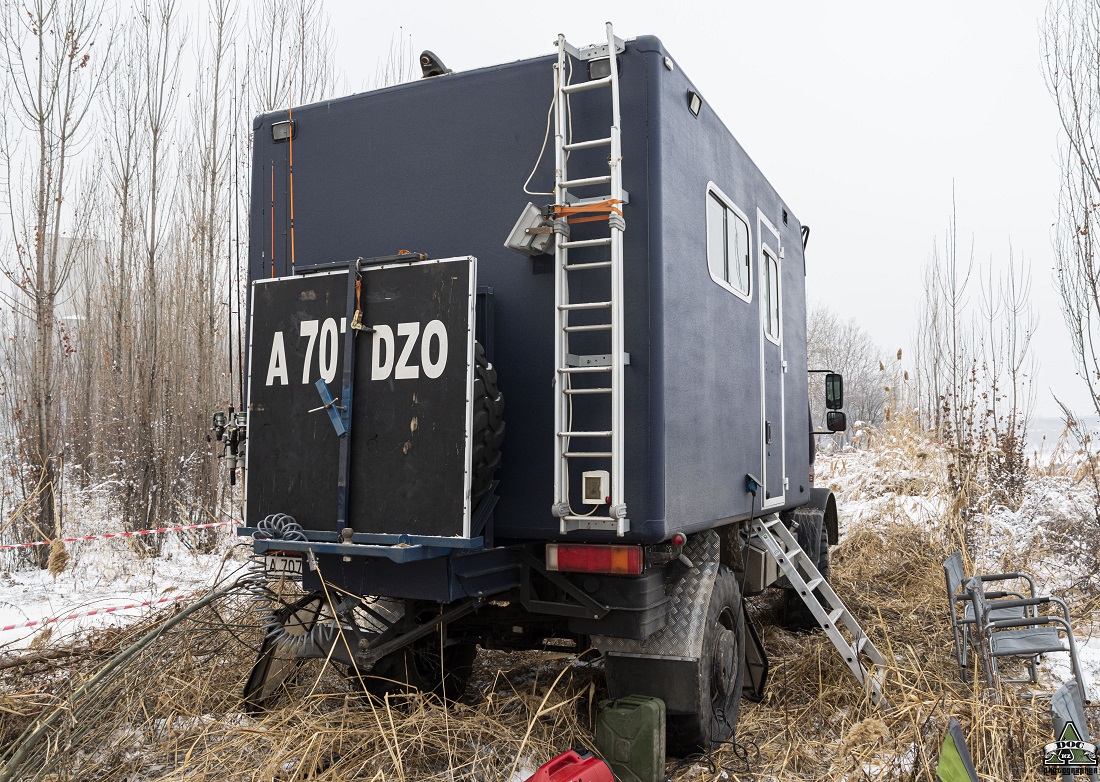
<point>98,612</point>
<point>123,534</point>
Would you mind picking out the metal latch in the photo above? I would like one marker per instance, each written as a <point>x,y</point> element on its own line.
<point>330,407</point>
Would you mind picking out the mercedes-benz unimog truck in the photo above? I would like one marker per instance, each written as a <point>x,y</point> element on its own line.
<point>526,370</point>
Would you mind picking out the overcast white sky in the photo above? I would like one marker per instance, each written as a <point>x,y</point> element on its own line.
<point>900,102</point>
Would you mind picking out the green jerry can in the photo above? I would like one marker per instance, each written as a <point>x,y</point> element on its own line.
<point>630,735</point>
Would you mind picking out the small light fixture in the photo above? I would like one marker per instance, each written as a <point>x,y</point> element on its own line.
<point>601,68</point>
<point>283,131</point>
<point>695,103</point>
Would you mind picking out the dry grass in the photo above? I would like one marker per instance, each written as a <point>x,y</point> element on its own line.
<point>814,724</point>
<point>174,712</point>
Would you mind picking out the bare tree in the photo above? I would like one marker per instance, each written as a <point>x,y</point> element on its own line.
<point>928,343</point>
<point>46,50</point>
<point>161,45</point>
<point>974,373</point>
<point>208,177</point>
<point>399,65</point>
<point>1071,51</point>
<point>1008,393</point>
<point>291,43</point>
<point>844,347</point>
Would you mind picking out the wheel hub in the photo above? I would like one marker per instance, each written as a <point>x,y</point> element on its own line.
<point>723,673</point>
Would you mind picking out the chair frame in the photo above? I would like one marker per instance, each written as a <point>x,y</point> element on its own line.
<point>955,580</point>
<point>1022,628</point>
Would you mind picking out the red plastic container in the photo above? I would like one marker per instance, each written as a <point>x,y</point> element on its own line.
<point>573,767</point>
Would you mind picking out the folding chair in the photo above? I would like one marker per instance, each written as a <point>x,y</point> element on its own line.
<point>1067,706</point>
<point>956,596</point>
<point>1024,637</point>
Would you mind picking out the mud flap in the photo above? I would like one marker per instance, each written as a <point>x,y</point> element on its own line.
<point>756,660</point>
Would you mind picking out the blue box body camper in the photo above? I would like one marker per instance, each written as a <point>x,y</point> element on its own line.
<point>715,388</point>
<point>397,289</point>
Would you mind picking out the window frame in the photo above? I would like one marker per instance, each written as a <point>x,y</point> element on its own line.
<point>769,262</point>
<point>716,192</point>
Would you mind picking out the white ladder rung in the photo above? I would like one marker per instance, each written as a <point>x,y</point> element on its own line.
<point>587,181</point>
<point>587,454</point>
<point>590,144</point>
<point>578,267</point>
<point>572,200</point>
<point>572,245</point>
<point>812,585</point>
<point>582,370</point>
<point>589,519</point>
<point>583,86</point>
<point>572,391</point>
<point>592,327</point>
<point>585,434</point>
<point>585,305</point>
<point>835,615</point>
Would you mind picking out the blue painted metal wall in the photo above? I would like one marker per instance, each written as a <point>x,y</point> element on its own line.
<point>438,166</point>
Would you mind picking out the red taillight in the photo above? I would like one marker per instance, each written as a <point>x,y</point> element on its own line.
<point>576,558</point>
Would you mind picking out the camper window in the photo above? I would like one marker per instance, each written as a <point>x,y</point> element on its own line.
<point>771,297</point>
<point>727,244</point>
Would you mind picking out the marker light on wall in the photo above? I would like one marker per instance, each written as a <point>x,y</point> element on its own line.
<point>695,103</point>
<point>601,69</point>
<point>283,131</point>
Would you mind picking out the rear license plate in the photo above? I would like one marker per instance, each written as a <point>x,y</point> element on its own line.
<point>276,565</point>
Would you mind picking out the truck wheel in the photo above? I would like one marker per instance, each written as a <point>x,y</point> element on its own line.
<point>277,661</point>
<point>418,668</point>
<point>488,426</point>
<point>720,674</point>
<point>813,537</point>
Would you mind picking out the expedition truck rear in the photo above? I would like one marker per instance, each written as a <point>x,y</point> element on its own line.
<point>580,235</point>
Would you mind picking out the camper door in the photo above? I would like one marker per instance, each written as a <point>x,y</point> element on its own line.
<point>769,255</point>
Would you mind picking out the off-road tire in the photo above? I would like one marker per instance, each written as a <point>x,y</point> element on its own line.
<point>276,664</point>
<point>813,538</point>
<point>719,697</point>
<point>488,427</point>
<point>417,668</point>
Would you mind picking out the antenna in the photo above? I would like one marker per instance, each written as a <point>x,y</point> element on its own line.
<point>290,116</point>
<point>237,243</point>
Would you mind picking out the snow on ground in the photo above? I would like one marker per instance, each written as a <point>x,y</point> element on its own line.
<point>1050,536</point>
<point>890,477</point>
<point>107,573</point>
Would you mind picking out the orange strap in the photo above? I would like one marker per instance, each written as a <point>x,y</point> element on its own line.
<point>600,210</point>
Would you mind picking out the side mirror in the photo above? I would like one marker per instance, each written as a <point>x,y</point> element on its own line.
<point>834,391</point>
<point>836,420</point>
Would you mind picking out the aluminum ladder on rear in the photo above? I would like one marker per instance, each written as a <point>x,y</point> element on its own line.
<point>598,446</point>
<point>855,647</point>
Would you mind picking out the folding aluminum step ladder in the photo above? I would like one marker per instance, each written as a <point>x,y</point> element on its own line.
<point>855,647</point>
<point>601,445</point>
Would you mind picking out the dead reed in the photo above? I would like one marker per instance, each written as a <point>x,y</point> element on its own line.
<point>173,711</point>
